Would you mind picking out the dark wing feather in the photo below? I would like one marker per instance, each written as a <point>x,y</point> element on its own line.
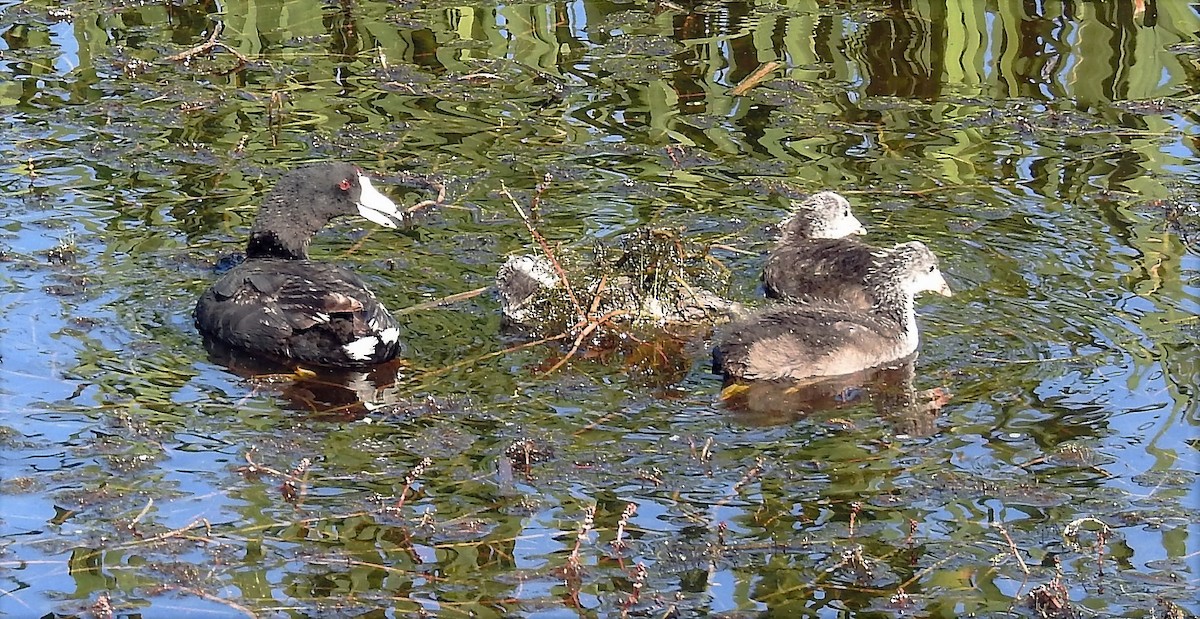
<point>292,309</point>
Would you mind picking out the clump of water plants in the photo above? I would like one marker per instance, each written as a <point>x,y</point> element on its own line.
<point>651,278</point>
<point>668,278</point>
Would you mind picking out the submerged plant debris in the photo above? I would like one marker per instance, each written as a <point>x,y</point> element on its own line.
<point>650,279</point>
<point>1036,459</point>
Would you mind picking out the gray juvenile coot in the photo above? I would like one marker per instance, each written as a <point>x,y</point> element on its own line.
<point>280,304</point>
<point>828,339</point>
<point>815,258</point>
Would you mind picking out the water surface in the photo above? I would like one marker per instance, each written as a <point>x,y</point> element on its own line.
<point>1045,153</point>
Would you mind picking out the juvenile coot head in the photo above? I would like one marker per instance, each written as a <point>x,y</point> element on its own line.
<point>908,269</point>
<point>815,258</point>
<point>824,215</point>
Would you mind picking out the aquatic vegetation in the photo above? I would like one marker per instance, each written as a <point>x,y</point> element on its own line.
<point>1045,154</point>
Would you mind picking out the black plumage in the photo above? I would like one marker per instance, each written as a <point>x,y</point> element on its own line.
<point>282,305</point>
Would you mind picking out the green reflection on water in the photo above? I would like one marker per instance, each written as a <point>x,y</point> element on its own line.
<point>1045,157</point>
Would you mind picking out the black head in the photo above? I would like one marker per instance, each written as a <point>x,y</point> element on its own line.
<point>306,200</point>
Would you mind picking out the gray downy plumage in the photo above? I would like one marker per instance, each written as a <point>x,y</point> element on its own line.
<point>826,338</point>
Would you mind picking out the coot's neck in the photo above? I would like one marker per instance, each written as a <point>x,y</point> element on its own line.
<point>798,228</point>
<point>894,302</point>
<point>268,244</point>
<point>281,232</point>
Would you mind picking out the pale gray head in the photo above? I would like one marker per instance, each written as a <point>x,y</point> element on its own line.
<point>913,268</point>
<point>824,215</point>
<point>519,279</point>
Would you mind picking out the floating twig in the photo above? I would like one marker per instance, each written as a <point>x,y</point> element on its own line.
<point>1029,361</point>
<point>926,571</point>
<point>441,199</point>
<point>211,43</point>
<point>478,76</point>
<point>732,249</point>
<point>755,78</point>
<point>498,353</point>
<point>294,486</point>
<point>591,326</point>
<point>587,324</point>
<point>141,514</point>
<point>255,468</point>
<point>1012,547</point>
<point>541,241</point>
<point>446,300</point>
<point>181,530</point>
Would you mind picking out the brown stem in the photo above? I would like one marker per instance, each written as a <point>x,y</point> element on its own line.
<point>755,78</point>
<point>441,198</point>
<point>207,45</point>
<point>541,241</point>
<point>446,300</point>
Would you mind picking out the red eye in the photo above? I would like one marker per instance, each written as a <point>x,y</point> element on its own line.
<point>344,185</point>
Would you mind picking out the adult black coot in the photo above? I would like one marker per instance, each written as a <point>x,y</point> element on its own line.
<point>282,305</point>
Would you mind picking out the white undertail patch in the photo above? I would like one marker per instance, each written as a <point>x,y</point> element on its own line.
<point>361,349</point>
<point>389,335</point>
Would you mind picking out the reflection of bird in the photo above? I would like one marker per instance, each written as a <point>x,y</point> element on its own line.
<point>282,305</point>
<point>889,389</point>
<point>827,339</point>
<point>335,393</point>
<point>815,258</point>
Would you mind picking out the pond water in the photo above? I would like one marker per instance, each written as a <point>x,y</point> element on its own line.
<point>1046,151</point>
